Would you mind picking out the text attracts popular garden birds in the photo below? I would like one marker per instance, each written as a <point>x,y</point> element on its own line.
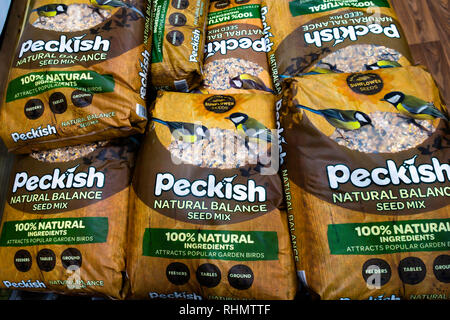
<point>413,107</point>
<point>187,132</point>
<point>111,4</point>
<point>342,119</point>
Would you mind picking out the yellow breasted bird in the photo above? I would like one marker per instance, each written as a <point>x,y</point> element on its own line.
<point>250,128</point>
<point>111,4</point>
<point>346,120</point>
<point>50,10</point>
<point>413,107</point>
<point>248,82</point>
<point>383,64</point>
<point>323,68</point>
<point>187,132</point>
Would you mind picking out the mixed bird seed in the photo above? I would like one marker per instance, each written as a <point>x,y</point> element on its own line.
<point>67,153</point>
<point>78,17</point>
<point>218,73</point>
<point>390,133</point>
<point>355,58</point>
<point>224,149</point>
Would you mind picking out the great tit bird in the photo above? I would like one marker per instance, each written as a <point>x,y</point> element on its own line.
<point>250,128</point>
<point>50,10</point>
<point>320,68</point>
<point>187,132</point>
<point>111,4</point>
<point>249,82</point>
<point>323,68</point>
<point>346,120</point>
<point>199,90</point>
<point>383,64</point>
<point>413,107</point>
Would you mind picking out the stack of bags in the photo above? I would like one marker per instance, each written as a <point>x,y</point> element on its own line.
<point>234,149</point>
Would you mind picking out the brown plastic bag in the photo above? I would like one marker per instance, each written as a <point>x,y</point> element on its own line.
<point>368,200</point>
<point>321,36</point>
<point>205,222</point>
<point>77,77</point>
<point>64,225</point>
<point>236,53</point>
<point>178,42</point>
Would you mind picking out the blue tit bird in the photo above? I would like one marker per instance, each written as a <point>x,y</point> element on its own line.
<point>187,132</point>
<point>383,64</point>
<point>248,82</point>
<point>251,129</point>
<point>111,4</point>
<point>413,107</point>
<point>51,10</point>
<point>346,120</point>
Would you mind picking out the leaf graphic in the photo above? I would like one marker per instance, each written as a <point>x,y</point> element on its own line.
<point>410,162</point>
<point>72,170</point>
<point>230,179</point>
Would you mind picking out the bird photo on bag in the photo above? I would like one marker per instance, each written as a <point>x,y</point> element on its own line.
<point>383,64</point>
<point>111,4</point>
<point>346,120</point>
<point>186,132</point>
<point>323,68</point>
<point>253,131</point>
<point>50,10</point>
<point>414,107</point>
<point>250,128</point>
<point>248,82</point>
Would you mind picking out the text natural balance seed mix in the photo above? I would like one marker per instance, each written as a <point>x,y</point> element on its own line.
<point>64,225</point>
<point>236,52</point>
<point>79,75</point>
<point>366,181</point>
<point>178,40</point>
<point>320,36</point>
<point>205,222</point>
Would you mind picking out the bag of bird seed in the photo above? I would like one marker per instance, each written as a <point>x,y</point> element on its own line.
<point>178,40</point>
<point>319,36</point>
<point>64,225</point>
<point>205,222</point>
<point>367,185</point>
<point>236,55</point>
<point>79,74</point>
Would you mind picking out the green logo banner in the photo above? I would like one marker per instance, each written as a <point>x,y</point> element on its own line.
<point>250,11</point>
<point>54,231</point>
<point>159,23</point>
<point>304,7</point>
<point>210,244</point>
<point>36,83</point>
<point>389,237</point>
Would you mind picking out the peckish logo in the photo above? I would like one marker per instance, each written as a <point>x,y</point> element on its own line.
<point>66,45</point>
<point>351,33</point>
<point>34,133</point>
<point>224,46</point>
<point>211,188</point>
<point>59,179</point>
<point>407,173</point>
